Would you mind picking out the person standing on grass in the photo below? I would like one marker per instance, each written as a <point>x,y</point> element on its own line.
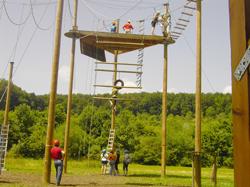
<point>58,155</point>
<point>112,159</point>
<point>117,161</point>
<point>104,157</point>
<point>127,161</point>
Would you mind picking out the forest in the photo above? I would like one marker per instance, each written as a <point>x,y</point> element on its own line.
<point>138,126</point>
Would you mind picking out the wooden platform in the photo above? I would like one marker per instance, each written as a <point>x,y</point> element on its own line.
<point>93,44</point>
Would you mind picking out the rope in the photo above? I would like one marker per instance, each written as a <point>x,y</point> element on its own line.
<point>36,22</point>
<point>70,10</point>
<point>30,41</point>
<point>2,4</point>
<point>18,34</point>
<point>28,4</point>
<point>25,19</point>
<point>195,57</point>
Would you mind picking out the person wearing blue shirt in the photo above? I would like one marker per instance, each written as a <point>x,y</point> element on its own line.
<point>113,27</point>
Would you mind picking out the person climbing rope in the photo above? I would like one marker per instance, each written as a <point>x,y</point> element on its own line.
<point>154,21</point>
<point>112,159</point>
<point>114,95</point>
<point>127,27</point>
<point>104,157</point>
<point>113,27</point>
<point>58,155</point>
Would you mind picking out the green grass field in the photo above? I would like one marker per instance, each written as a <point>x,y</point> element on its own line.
<point>141,175</point>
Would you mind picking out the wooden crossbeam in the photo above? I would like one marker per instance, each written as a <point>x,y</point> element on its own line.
<point>117,71</point>
<point>133,87</point>
<point>119,63</point>
<point>187,13</point>
<point>183,20</point>
<point>190,7</point>
<point>175,36</point>
<point>120,43</point>
<point>181,24</point>
<point>118,99</point>
<point>179,28</point>
<point>176,32</point>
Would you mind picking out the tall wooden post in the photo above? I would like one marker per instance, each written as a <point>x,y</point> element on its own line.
<point>52,103</point>
<point>240,35</point>
<point>115,77</point>
<point>7,105</point>
<point>164,104</point>
<point>70,92</point>
<point>198,99</point>
<point>164,111</point>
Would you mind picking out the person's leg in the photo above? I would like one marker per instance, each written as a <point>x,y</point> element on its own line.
<point>60,170</point>
<point>114,169</point>
<point>110,168</point>
<point>124,168</point>
<point>105,167</point>
<point>102,168</point>
<point>152,31</point>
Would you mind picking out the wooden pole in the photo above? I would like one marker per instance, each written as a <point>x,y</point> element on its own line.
<point>67,129</point>
<point>164,111</point>
<point>198,99</point>
<point>7,105</point>
<point>52,103</point>
<point>240,34</point>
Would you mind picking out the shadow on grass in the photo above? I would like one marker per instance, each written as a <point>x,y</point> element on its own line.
<point>146,184</point>
<point>158,175</point>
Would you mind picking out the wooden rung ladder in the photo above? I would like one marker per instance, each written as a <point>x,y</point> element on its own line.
<point>110,145</point>
<point>3,144</point>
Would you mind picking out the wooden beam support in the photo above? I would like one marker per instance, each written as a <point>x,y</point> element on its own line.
<point>119,63</point>
<point>118,71</point>
<point>117,99</point>
<point>190,7</point>
<point>187,13</point>
<point>181,24</point>
<point>133,87</point>
<point>183,20</point>
<point>119,43</point>
<point>239,29</point>
<point>176,32</point>
<point>179,28</point>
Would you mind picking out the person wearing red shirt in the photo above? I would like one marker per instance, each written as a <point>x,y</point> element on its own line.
<point>127,27</point>
<point>58,155</point>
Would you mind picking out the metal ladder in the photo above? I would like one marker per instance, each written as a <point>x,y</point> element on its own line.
<point>3,144</point>
<point>140,54</point>
<point>110,145</point>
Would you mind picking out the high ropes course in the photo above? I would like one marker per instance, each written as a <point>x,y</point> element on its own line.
<point>94,44</point>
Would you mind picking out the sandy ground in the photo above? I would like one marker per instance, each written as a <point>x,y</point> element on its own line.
<point>8,178</point>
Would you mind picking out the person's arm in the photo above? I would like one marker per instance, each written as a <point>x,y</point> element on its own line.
<point>63,154</point>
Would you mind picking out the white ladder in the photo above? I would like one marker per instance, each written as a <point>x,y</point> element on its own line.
<point>3,144</point>
<point>110,145</point>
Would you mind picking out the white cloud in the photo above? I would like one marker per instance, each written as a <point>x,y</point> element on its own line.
<point>64,73</point>
<point>227,89</point>
<point>172,90</point>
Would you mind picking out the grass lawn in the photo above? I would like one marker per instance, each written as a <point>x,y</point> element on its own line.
<point>141,175</point>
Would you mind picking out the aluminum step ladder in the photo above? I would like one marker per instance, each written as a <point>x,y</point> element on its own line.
<point>110,145</point>
<point>3,144</point>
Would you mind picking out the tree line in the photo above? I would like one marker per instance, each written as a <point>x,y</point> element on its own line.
<point>138,126</point>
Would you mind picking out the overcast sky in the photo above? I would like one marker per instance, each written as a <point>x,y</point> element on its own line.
<point>34,50</point>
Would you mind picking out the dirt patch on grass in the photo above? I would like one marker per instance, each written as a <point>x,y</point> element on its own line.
<point>8,178</point>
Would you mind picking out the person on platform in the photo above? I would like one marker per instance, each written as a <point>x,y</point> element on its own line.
<point>168,25</point>
<point>114,95</point>
<point>58,156</point>
<point>162,22</point>
<point>112,159</point>
<point>154,21</point>
<point>113,27</point>
<point>127,27</point>
<point>104,157</point>
<point>127,161</point>
<point>117,161</point>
